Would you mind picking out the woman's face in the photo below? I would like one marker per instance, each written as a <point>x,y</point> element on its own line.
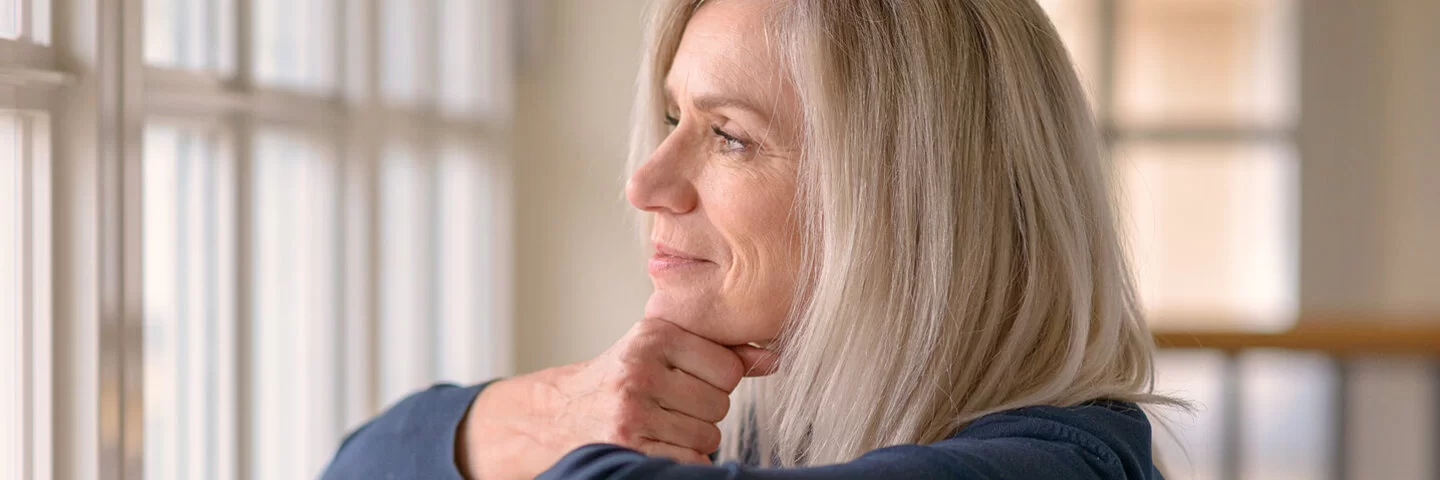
<point>722,183</point>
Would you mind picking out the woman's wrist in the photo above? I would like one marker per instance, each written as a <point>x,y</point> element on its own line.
<point>480,440</point>
<point>497,439</point>
<point>465,463</point>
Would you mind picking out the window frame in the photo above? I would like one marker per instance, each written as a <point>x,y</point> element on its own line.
<point>356,120</point>
<point>30,85</point>
<point>1106,44</point>
<point>84,371</point>
<point>33,315</point>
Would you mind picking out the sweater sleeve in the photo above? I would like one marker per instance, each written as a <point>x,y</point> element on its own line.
<point>1085,442</point>
<point>415,438</point>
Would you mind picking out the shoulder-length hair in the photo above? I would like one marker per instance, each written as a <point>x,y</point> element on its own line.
<point>962,254</point>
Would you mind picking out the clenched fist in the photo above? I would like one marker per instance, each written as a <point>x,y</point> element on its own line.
<point>659,390</point>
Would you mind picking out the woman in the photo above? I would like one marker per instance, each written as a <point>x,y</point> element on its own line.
<point>895,209</point>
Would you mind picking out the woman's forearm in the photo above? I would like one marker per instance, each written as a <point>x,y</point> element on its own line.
<point>415,438</point>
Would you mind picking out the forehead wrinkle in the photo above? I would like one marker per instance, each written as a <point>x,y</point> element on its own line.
<point>719,63</point>
<point>722,39</point>
<point>727,84</point>
<point>712,97</point>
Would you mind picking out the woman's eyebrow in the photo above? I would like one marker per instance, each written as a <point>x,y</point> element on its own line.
<point>716,101</point>
<point>711,102</point>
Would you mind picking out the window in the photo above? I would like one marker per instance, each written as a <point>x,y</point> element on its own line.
<point>9,19</point>
<point>1227,131</point>
<point>294,319</point>
<point>1205,156</point>
<point>190,34</point>
<point>11,317</point>
<point>25,20</point>
<point>189,304</point>
<point>1197,100</point>
<point>26,327</point>
<point>24,292</point>
<point>323,207</point>
<point>294,44</point>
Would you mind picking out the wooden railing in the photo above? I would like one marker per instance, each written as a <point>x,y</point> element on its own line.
<point>1337,340</point>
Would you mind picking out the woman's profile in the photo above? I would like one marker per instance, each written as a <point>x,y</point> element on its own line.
<point>892,216</point>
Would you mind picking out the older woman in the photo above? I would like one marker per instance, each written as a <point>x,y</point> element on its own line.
<point>895,209</point>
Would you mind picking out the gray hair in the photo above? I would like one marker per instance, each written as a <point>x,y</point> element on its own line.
<point>962,251</point>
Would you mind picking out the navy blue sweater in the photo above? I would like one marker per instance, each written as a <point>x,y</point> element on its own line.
<point>1097,440</point>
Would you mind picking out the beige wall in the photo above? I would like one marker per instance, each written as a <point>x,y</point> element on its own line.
<point>1370,157</point>
<point>579,266</point>
<point>1413,147</point>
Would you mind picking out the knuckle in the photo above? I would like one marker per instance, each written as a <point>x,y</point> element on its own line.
<point>614,383</point>
<point>709,440</point>
<point>722,409</point>
<point>636,380</point>
<point>733,372</point>
<point>629,416</point>
<point>623,434</point>
<point>641,348</point>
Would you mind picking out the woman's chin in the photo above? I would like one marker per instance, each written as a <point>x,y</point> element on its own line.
<point>684,312</point>
<point>701,317</point>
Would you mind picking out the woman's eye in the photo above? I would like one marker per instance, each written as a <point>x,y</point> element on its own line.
<point>731,144</point>
<point>672,120</point>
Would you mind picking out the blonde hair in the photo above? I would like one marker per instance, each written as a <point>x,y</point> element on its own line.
<point>962,255</point>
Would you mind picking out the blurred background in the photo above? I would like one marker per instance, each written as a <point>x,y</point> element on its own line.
<point>231,231</point>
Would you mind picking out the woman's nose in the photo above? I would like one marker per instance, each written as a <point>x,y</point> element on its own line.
<point>663,184</point>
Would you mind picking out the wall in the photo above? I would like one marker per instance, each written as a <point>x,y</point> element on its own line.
<point>1413,150</point>
<point>1370,157</point>
<point>580,272</point>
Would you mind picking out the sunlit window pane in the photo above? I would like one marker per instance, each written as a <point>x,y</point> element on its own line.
<point>25,291</point>
<point>11,330</point>
<point>295,402</point>
<point>294,44</point>
<point>474,57</point>
<point>472,275</point>
<point>1187,62</point>
<point>403,52</point>
<point>10,19</point>
<point>162,344</point>
<point>40,21</point>
<point>1287,413</point>
<point>1190,444</point>
<point>408,353</point>
<point>190,34</point>
<point>188,305</point>
<point>1213,227</point>
<point>441,273</point>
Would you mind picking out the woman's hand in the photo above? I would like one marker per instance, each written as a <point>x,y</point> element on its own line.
<point>659,390</point>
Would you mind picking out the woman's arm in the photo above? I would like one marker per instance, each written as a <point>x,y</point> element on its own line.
<point>659,390</point>
<point>1087,442</point>
<point>413,439</point>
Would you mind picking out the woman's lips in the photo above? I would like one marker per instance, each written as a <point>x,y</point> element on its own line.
<point>661,263</point>
<point>668,260</point>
